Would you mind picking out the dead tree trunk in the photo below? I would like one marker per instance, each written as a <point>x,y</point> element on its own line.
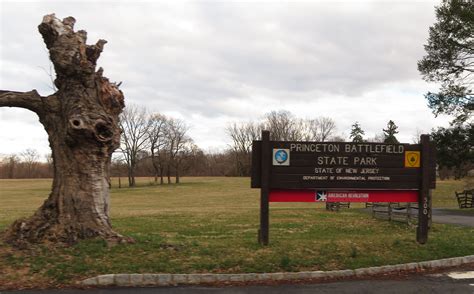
<point>177,176</point>
<point>168,173</point>
<point>161,176</point>
<point>81,120</point>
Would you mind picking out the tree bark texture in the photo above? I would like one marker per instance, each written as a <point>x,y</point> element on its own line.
<point>82,122</point>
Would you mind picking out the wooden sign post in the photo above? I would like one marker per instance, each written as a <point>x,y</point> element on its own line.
<point>343,172</point>
<point>424,199</point>
<point>263,234</point>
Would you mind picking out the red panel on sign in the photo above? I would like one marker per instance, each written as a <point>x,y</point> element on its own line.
<point>343,196</point>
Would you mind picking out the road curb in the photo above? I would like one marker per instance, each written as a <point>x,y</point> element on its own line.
<point>140,280</point>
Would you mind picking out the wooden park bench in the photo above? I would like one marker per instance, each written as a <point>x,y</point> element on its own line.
<point>465,198</point>
<point>335,206</point>
<point>396,211</point>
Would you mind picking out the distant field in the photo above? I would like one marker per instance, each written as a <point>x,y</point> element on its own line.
<point>210,225</point>
<point>19,198</point>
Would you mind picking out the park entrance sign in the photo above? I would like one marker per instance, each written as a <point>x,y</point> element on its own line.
<point>343,172</point>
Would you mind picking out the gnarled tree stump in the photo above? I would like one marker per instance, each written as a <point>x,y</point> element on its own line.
<point>82,122</point>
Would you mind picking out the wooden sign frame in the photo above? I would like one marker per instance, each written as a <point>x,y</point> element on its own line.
<point>355,172</point>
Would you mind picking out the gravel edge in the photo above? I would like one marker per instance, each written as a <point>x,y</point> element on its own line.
<point>140,280</point>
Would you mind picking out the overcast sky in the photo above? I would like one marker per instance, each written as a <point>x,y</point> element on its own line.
<point>215,62</point>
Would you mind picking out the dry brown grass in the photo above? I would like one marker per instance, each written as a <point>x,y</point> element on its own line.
<point>210,225</point>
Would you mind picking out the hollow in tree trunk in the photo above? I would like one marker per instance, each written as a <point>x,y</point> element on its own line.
<point>81,120</point>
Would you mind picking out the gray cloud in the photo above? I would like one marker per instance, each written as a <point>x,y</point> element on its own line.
<point>215,62</point>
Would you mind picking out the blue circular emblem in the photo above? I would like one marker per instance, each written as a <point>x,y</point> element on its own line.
<point>281,156</point>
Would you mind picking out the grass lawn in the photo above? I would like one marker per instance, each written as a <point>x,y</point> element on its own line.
<point>443,195</point>
<point>210,225</point>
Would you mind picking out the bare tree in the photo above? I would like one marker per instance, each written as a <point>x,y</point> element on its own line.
<point>319,129</point>
<point>117,168</point>
<point>416,138</point>
<point>158,142</point>
<point>9,166</point>
<point>177,140</point>
<point>306,128</point>
<point>242,136</point>
<point>81,120</point>
<point>283,126</point>
<point>135,129</point>
<point>30,160</point>
<point>185,158</point>
<point>324,128</point>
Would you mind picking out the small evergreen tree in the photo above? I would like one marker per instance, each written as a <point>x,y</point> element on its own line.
<point>390,133</point>
<point>454,148</point>
<point>357,133</point>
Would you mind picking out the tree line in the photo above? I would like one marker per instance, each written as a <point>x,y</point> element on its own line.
<point>26,164</point>
<point>159,146</point>
<point>284,126</point>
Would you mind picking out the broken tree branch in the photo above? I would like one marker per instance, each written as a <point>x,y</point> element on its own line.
<point>28,100</point>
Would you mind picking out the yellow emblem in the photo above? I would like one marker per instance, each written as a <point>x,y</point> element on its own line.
<point>412,158</point>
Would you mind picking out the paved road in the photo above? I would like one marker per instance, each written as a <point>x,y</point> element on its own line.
<point>455,217</point>
<point>446,216</point>
<point>448,282</point>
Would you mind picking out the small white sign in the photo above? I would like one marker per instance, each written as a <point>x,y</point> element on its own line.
<point>281,157</point>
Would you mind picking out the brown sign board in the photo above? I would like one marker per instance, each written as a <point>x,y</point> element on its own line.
<point>342,165</point>
<point>300,171</point>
